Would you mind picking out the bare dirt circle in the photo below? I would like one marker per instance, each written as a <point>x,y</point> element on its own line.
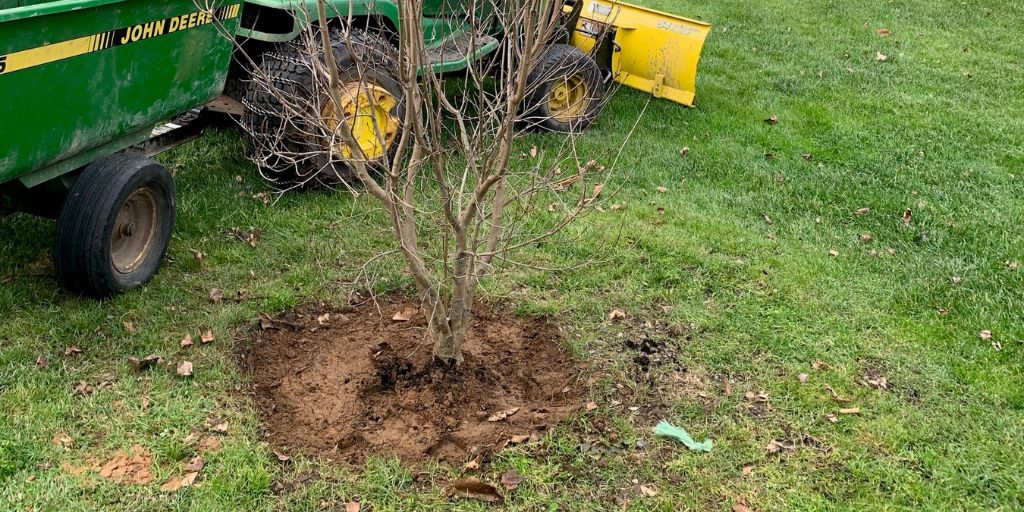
<point>346,383</point>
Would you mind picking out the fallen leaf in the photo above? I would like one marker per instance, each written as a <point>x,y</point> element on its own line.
<point>907,214</point>
<point>207,336</point>
<point>884,32</point>
<point>405,315</point>
<point>820,365</point>
<point>200,255</point>
<point>63,440</point>
<point>216,295</point>
<point>221,427</point>
<point>616,207</point>
<point>83,388</point>
<point>834,253</point>
<point>598,187</point>
<point>836,396</point>
<point>865,237</point>
<point>802,378</point>
<point>739,507</point>
<point>1012,265</point>
<point>511,479</point>
<point>41,362</point>
<point>72,350</point>
<point>807,156</point>
<point>323,319</point>
<point>748,470</point>
<point>661,190</point>
<point>776,446</point>
<point>616,314</point>
<point>881,57</point>
<point>186,341</point>
<point>861,211</point>
<point>832,417</point>
<point>943,311</point>
<point>195,464</point>
<point>473,488</point>
<point>817,220</point>
<point>129,327</point>
<point>684,150</point>
<point>352,506</point>
<point>176,483</point>
<point>185,368</point>
<point>500,415</point>
<point>957,279</point>
<point>281,456</point>
<point>985,335</point>
<point>850,410</point>
<point>996,345</point>
<point>591,406</point>
<point>533,152</point>
<point>772,120</point>
<point>519,438</point>
<point>146,362</point>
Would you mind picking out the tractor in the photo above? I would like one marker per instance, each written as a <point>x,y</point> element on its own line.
<point>94,89</point>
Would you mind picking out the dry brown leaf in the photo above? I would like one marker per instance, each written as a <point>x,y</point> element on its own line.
<point>772,120</point>
<point>865,237</point>
<point>649,491</point>
<point>836,396</point>
<point>850,410</point>
<point>221,427</point>
<point>985,335</point>
<point>72,350</point>
<point>519,438</point>
<point>591,406</point>
<point>129,327</point>
<point>352,506</point>
<point>146,362</point>
<point>405,315</point>
<point>207,336</point>
<point>884,32</point>
<point>907,215</point>
<point>832,418</point>
<point>767,219</point>
<point>834,253</point>
<point>683,151</point>
<point>820,365</point>
<point>323,319</point>
<point>881,57</point>
<point>216,295</point>
<point>501,415</point>
<point>186,341</point>
<point>748,470</point>
<point>616,314</point>
<point>661,190</point>
<point>776,446</point>
<point>861,211</point>
<point>41,362</point>
<point>473,488</point>
<point>281,456</point>
<point>533,152</point>
<point>185,369</point>
<point>802,378</point>
<point>598,187</point>
<point>511,480</point>
<point>63,440</point>
<point>739,507</point>
<point>83,388</point>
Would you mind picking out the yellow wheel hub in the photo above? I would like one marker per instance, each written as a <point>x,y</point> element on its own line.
<point>369,110</point>
<point>568,99</point>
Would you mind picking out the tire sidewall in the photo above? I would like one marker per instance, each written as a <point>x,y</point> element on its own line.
<point>549,69</point>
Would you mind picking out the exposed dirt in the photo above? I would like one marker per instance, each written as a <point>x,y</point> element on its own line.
<point>345,383</point>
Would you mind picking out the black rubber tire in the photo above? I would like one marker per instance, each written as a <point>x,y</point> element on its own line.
<point>288,66</point>
<point>557,62</point>
<point>82,246</point>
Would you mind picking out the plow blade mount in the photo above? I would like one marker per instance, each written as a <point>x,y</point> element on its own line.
<point>644,49</point>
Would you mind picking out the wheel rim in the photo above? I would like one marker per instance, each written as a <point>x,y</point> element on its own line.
<point>134,231</point>
<point>569,98</point>
<point>369,110</point>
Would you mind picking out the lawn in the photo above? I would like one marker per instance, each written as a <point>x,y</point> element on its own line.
<point>780,267</point>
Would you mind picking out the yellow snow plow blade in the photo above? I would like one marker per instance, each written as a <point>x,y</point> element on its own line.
<point>651,51</point>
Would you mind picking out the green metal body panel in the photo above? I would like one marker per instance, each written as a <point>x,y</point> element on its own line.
<point>85,78</point>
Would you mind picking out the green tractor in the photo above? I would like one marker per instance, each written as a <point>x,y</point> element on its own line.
<point>93,89</point>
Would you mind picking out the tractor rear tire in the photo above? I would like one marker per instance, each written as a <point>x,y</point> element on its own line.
<point>289,68</point>
<point>115,226</point>
<point>564,90</point>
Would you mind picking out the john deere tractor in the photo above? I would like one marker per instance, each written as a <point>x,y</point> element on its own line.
<point>92,89</point>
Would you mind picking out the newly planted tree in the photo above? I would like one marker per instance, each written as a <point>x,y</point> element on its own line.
<point>369,107</point>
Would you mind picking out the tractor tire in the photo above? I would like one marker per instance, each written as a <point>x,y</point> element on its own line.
<point>564,90</point>
<point>288,68</point>
<point>115,225</point>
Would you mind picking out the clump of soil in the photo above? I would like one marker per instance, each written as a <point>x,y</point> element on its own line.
<point>345,383</point>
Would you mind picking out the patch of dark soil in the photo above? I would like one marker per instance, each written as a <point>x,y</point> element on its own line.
<point>348,383</point>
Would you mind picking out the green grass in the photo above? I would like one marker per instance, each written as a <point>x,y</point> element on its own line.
<point>938,128</point>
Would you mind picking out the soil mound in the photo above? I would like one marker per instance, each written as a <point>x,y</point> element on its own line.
<point>344,383</point>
